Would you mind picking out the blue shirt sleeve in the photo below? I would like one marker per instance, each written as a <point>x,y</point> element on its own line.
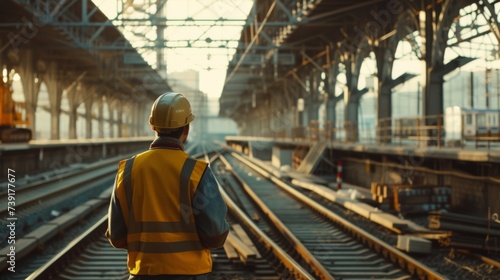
<point>117,230</point>
<point>210,212</point>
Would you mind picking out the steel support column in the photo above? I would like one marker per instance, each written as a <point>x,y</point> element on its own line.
<point>55,90</point>
<point>74,102</point>
<point>119,121</point>
<point>88,102</point>
<point>432,78</point>
<point>352,98</point>
<point>351,117</point>
<point>74,95</point>
<point>25,67</point>
<point>384,55</point>
<point>136,118</point>
<point>330,84</point>
<point>111,112</point>
<point>100,117</point>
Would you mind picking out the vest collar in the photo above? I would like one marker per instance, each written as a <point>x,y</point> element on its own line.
<point>167,143</point>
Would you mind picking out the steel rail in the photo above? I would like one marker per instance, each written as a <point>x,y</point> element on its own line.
<point>105,263</point>
<point>283,256</point>
<point>395,256</point>
<point>59,262</point>
<point>33,193</point>
<point>320,271</point>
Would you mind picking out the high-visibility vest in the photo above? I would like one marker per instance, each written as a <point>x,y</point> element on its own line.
<point>155,190</point>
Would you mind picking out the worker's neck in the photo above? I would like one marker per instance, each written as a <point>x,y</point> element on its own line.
<point>167,143</point>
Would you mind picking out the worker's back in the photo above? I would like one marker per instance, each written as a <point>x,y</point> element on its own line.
<point>163,239</point>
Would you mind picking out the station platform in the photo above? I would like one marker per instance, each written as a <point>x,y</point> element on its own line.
<point>37,144</point>
<point>466,153</point>
<point>41,156</point>
<point>472,174</point>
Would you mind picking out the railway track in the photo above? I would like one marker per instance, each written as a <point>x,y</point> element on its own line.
<point>38,200</point>
<point>90,256</point>
<point>49,211</point>
<point>78,259</point>
<point>292,237</point>
<point>341,249</point>
<point>444,260</point>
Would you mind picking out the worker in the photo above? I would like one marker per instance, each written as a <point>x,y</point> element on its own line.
<point>166,209</point>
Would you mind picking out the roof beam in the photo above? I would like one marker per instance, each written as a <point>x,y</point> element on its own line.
<point>228,78</point>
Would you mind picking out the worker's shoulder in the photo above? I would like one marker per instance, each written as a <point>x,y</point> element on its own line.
<point>162,152</point>
<point>199,161</point>
<point>133,157</point>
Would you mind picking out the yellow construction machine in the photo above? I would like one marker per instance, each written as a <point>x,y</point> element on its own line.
<point>12,116</point>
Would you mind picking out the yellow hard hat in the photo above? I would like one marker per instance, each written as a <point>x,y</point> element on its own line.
<point>170,110</point>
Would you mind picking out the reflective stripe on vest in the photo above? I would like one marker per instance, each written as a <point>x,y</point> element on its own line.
<point>185,225</point>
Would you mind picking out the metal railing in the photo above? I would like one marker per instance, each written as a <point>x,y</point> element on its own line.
<point>421,131</point>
